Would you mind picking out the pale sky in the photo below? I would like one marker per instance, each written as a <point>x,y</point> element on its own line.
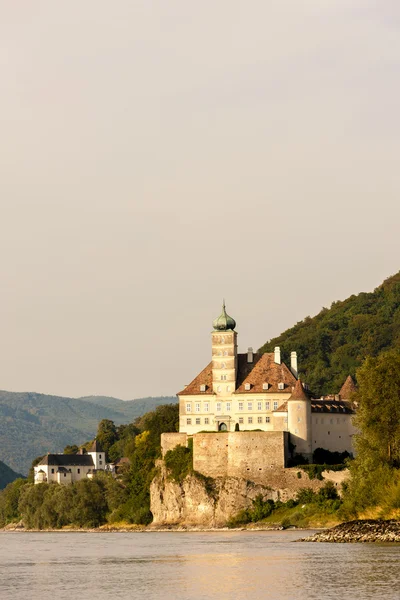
<point>159,155</point>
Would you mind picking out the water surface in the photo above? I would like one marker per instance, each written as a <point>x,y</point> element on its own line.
<point>186,566</point>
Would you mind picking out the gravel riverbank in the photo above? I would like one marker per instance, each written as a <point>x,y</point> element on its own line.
<point>359,531</point>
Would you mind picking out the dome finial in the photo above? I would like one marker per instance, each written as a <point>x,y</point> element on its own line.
<point>224,321</point>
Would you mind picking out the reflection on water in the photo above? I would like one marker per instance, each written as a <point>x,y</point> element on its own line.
<point>186,566</point>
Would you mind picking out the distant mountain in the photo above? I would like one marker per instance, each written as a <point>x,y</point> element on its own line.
<point>33,424</point>
<point>130,408</point>
<point>7,475</point>
<point>335,342</point>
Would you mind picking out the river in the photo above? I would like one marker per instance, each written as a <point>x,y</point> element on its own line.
<point>234,565</point>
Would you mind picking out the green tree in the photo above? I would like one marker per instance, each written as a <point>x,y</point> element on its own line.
<point>106,434</point>
<point>378,413</point>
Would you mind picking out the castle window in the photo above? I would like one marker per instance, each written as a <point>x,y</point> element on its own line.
<point>241,420</point>
<point>218,388</point>
<point>206,421</point>
<point>188,421</point>
<point>247,386</point>
<point>329,433</point>
<point>249,406</point>
<point>275,405</point>
<point>197,420</point>
<point>265,386</point>
<point>299,419</point>
<point>259,405</point>
<point>223,366</point>
<point>240,405</point>
<point>197,407</point>
<point>259,419</point>
<point>202,387</point>
<point>206,407</point>
<point>281,386</point>
<point>100,462</point>
<point>250,420</point>
<point>222,339</point>
<point>218,406</point>
<point>225,352</point>
<point>268,406</point>
<point>79,471</point>
<point>223,377</point>
<point>100,456</point>
<point>267,419</point>
<point>188,407</point>
<point>228,406</point>
<point>52,470</point>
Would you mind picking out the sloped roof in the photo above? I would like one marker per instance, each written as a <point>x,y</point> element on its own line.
<point>67,460</point>
<point>348,388</point>
<point>322,406</point>
<point>262,370</point>
<point>299,392</point>
<point>203,378</point>
<point>331,406</point>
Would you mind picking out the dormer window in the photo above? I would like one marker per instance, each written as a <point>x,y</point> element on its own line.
<point>202,387</point>
<point>247,386</point>
<point>265,386</point>
<point>281,386</point>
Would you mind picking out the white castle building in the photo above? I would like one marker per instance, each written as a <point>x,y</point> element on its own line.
<point>68,468</point>
<point>247,392</point>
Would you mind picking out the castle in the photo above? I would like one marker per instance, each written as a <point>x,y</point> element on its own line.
<point>262,405</point>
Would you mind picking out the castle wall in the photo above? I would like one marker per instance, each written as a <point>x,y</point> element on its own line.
<point>210,453</point>
<point>169,441</point>
<point>333,432</point>
<point>240,454</point>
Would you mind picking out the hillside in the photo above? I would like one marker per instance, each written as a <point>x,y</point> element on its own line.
<point>334,343</point>
<point>131,409</point>
<point>32,424</point>
<point>7,475</point>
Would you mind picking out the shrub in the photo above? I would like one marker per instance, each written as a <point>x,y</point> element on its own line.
<point>179,463</point>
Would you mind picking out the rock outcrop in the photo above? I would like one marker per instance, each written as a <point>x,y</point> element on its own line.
<point>200,501</point>
<point>359,531</point>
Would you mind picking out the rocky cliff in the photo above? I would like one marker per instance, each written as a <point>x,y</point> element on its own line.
<point>205,502</point>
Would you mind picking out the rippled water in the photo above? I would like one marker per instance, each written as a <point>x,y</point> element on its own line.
<point>186,566</point>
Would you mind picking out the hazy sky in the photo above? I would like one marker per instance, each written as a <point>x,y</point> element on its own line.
<point>159,155</point>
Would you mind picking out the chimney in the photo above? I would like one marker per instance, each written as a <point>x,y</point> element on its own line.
<point>293,363</point>
<point>250,356</point>
<point>277,353</point>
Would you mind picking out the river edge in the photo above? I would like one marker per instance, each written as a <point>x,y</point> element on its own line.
<point>359,531</point>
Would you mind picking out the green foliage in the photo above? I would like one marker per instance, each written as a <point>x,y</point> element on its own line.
<point>179,463</point>
<point>9,499</point>
<point>71,449</point>
<point>106,434</point>
<point>326,457</point>
<point>315,471</point>
<point>334,343</point>
<point>378,413</point>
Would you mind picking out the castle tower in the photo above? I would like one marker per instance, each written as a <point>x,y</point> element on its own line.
<point>299,420</point>
<point>224,354</point>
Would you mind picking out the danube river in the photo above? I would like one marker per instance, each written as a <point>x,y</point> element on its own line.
<point>234,565</point>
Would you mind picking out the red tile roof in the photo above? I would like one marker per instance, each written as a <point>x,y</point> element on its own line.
<point>348,388</point>
<point>262,370</point>
<point>299,393</point>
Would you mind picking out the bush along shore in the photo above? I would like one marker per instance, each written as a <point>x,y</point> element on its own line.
<point>365,531</point>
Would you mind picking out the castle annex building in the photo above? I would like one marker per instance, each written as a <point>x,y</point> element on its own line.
<point>253,392</point>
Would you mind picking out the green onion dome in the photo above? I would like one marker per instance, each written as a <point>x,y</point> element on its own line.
<point>224,321</point>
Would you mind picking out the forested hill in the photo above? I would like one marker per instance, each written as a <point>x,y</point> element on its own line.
<point>7,475</point>
<point>33,424</point>
<point>334,343</point>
